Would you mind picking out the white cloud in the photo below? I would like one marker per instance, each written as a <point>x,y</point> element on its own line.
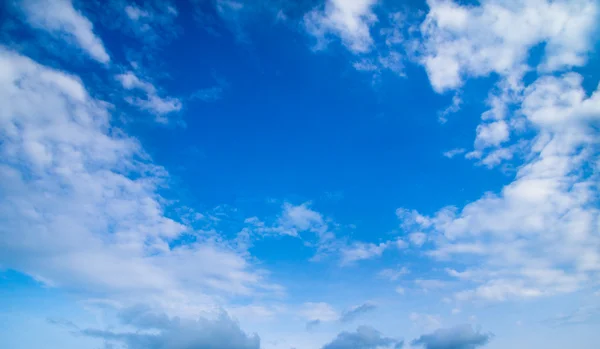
<point>453,152</point>
<point>418,238</point>
<point>451,109</point>
<point>80,208</point>
<point>430,284</point>
<point>393,274</point>
<point>300,218</point>
<point>152,101</point>
<point>154,22</point>
<point>60,18</point>
<point>491,134</point>
<point>399,290</point>
<point>360,251</point>
<point>537,236</point>
<point>350,20</point>
<point>318,311</point>
<point>494,37</point>
<point>425,322</point>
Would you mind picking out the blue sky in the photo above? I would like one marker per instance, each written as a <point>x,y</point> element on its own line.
<point>299,174</point>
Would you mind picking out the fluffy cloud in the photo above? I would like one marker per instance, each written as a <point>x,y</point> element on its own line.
<point>350,20</point>
<point>365,337</point>
<point>354,312</point>
<point>80,207</point>
<point>460,337</point>
<point>462,41</point>
<point>158,331</point>
<point>60,18</point>
<point>538,235</point>
<point>151,101</point>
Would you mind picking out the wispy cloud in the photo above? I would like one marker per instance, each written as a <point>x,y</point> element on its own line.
<point>60,18</point>
<point>152,102</point>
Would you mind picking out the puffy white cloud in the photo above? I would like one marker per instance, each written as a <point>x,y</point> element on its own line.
<point>152,102</point>
<point>350,20</point>
<point>60,18</point>
<point>461,41</point>
<point>491,134</point>
<point>539,235</point>
<point>80,208</point>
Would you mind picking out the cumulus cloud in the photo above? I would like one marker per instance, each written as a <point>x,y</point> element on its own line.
<point>417,238</point>
<point>462,41</point>
<point>538,235</point>
<point>60,18</point>
<point>365,337</point>
<point>80,207</point>
<point>152,102</point>
<point>460,337</point>
<point>354,312</point>
<point>174,333</point>
<point>349,20</point>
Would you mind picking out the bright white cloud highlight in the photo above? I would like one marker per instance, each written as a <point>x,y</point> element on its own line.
<point>80,208</point>
<point>495,37</point>
<point>349,20</point>
<point>60,18</point>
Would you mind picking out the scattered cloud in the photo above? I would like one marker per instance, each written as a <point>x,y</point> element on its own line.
<point>451,109</point>
<point>312,324</point>
<point>60,18</point>
<point>462,41</point>
<point>430,284</point>
<point>536,236</point>
<point>426,322</point>
<point>417,239</point>
<point>460,337</point>
<point>453,152</point>
<point>152,22</point>
<point>83,197</point>
<point>581,315</point>
<point>393,274</point>
<point>219,333</point>
<point>318,311</point>
<point>151,102</point>
<point>365,337</point>
<point>354,312</point>
<point>349,20</point>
